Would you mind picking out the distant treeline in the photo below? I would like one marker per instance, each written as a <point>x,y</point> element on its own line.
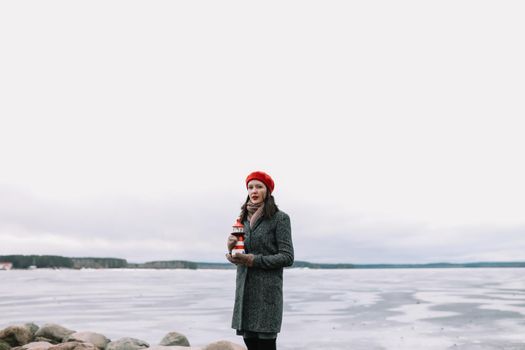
<point>26,261</point>
<point>54,261</point>
<point>322,266</point>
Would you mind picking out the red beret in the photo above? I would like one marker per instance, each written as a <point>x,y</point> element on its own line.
<point>263,177</point>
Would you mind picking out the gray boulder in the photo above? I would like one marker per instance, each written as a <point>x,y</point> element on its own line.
<point>40,345</point>
<point>53,332</point>
<point>97,339</point>
<point>224,345</point>
<point>174,347</point>
<point>33,328</point>
<point>45,340</point>
<point>174,338</point>
<point>4,345</point>
<point>127,344</point>
<point>16,335</point>
<point>74,345</point>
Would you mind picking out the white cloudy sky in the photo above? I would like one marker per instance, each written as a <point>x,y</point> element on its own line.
<point>393,129</point>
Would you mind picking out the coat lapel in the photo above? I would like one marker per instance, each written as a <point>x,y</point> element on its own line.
<point>257,223</point>
<point>248,233</point>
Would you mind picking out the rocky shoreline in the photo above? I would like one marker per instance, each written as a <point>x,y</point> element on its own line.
<point>30,336</point>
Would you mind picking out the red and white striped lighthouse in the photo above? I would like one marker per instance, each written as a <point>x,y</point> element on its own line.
<point>238,230</point>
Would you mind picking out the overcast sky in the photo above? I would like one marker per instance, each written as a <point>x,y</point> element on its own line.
<point>393,129</point>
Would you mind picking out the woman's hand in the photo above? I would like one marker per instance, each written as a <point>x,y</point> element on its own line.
<point>241,259</point>
<point>232,240</point>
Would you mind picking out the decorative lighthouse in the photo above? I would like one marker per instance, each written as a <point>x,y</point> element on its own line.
<point>238,230</point>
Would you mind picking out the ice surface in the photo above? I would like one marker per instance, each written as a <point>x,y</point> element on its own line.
<point>328,309</point>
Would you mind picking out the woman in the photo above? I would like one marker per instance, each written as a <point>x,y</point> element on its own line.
<point>258,310</point>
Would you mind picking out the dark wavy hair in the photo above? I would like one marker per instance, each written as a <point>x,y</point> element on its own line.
<point>270,208</point>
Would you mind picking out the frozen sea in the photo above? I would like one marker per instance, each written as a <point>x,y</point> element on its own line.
<point>324,309</point>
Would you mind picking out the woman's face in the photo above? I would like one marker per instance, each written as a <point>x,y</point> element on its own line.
<point>256,191</point>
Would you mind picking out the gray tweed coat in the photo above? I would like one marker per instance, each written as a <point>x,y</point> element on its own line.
<point>259,289</point>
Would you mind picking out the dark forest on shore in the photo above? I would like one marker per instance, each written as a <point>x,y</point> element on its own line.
<point>55,261</point>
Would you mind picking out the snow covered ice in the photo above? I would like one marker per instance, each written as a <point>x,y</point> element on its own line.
<point>430,309</point>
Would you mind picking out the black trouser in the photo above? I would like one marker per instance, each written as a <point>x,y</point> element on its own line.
<point>260,344</point>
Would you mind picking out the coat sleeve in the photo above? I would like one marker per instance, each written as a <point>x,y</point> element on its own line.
<point>285,254</point>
